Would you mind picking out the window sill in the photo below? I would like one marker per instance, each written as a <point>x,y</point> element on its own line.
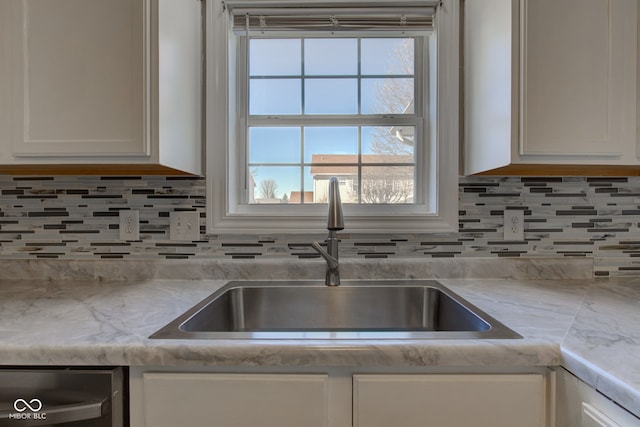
<point>225,223</point>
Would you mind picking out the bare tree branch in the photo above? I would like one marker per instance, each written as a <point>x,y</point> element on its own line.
<point>268,188</point>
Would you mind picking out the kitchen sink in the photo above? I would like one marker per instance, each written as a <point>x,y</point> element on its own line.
<point>384,309</point>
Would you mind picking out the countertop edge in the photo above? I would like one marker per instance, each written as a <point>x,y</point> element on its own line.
<point>611,387</point>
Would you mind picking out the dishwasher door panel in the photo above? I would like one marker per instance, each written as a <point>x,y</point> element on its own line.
<point>71,397</point>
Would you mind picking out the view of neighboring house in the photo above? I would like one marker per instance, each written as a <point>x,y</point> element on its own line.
<point>296,197</point>
<point>379,178</point>
<point>384,178</point>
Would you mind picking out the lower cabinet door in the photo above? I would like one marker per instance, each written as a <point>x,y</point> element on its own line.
<point>593,417</point>
<point>449,400</point>
<point>235,400</point>
<point>580,405</point>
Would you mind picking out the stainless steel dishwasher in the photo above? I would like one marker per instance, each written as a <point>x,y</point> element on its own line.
<point>73,397</point>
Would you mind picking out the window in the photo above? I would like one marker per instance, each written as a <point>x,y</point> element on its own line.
<point>322,107</point>
<point>296,95</point>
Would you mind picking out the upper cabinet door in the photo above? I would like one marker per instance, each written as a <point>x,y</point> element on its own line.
<point>550,82</point>
<point>78,75</point>
<point>578,80</point>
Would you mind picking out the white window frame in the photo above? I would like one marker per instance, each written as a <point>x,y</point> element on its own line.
<point>227,214</point>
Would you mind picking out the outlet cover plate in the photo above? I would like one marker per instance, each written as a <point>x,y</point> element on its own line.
<point>513,224</point>
<point>129,224</point>
<point>184,226</point>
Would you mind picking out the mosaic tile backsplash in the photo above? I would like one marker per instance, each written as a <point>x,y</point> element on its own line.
<point>77,218</point>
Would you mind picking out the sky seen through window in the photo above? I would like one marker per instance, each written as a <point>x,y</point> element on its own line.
<point>314,77</point>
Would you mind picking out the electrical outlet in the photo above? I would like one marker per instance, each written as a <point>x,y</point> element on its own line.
<point>129,225</point>
<point>184,225</point>
<point>513,224</point>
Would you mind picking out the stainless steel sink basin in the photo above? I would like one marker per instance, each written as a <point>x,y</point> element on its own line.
<point>410,309</point>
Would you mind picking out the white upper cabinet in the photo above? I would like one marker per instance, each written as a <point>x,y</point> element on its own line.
<point>100,82</point>
<point>549,82</point>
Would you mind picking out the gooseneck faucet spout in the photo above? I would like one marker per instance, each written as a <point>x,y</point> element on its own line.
<point>334,224</point>
<point>336,220</point>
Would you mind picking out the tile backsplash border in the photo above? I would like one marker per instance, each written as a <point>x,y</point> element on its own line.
<point>76,218</point>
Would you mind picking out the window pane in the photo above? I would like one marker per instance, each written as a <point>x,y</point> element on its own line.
<point>334,57</point>
<point>314,187</point>
<point>319,185</point>
<point>330,144</point>
<point>331,96</point>
<point>275,96</point>
<point>275,57</point>
<point>274,184</point>
<point>306,196</point>
<point>388,56</point>
<point>388,144</point>
<point>388,184</point>
<point>274,145</point>
<point>387,96</point>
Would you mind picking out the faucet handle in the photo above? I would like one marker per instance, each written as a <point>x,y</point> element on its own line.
<point>332,276</point>
<point>332,261</point>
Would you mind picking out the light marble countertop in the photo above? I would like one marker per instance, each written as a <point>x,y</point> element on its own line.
<point>590,326</point>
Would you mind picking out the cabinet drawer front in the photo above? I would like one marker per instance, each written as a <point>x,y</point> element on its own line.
<point>449,400</point>
<point>235,400</point>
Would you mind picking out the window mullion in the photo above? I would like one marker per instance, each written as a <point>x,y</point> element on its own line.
<point>303,92</point>
<point>359,176</point>
<point>302,165</point>
<point>359,44</point>
<point>302,74</point>
<point>337,120</point>
<point>359,168</point>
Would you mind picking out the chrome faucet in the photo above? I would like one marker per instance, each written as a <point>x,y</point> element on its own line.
<point>334,224</point>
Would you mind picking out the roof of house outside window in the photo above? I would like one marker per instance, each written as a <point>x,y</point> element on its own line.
<point>346,164</point>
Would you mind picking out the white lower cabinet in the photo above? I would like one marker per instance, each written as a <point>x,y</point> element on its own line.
<point>235,400</point>
<point>449,400</point>
<point>579,405</point>
<point>337,399</point>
